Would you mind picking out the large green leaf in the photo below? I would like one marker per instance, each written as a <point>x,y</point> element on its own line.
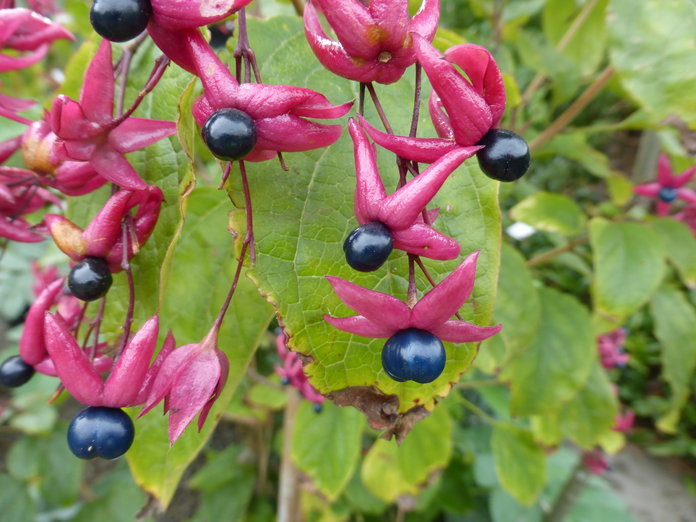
<point>516,308</point>
<point>558,361</point>
<point>551,213</point>
<point>586,48</point>
<point>519,462</point>
<point>653,48</point>
<point>15,502</point>
<point>303,216</point>
<point>680,246</point>
<point>591,412</point>
<point>675,328</point>
<point>326,445</point>
<point>201,274</point>
<point>629,265</point>
<point>390,471</point>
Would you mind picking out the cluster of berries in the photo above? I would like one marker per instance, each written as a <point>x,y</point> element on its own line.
<point>377,42</point>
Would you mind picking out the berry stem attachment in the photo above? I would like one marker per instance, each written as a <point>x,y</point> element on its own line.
<point>97,327</point>
<point>244,52</point>
<point>432,282</point>
<point>123,71</point>
<point>125,264</point>
<point>361,99</point>
<point>158,70</point>
<point>378,107</point>
<point>416,101</point>
<point>412,290</point>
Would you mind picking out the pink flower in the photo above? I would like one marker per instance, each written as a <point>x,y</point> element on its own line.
<point>595,461</point>
<point>375,41</point>
<point>278,111</point>
<point>26,31</point>
<point>103,237</point>
<point>688,217</point>
<point>9,107</point>
<point>88,134</point>
<point>381,315</point>
<point>474,103</point>
<point>668,186</point>
<point>624,422</point>
<point>189,381</point>
<point>131,376</point>
<point>293,372</point>
<point>401,211</point>
<point>610,348</point>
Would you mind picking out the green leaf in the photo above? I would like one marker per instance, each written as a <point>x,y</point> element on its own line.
<point>680,247</point>
<point>326,445</point>
<point>675,328</point>
<point>551,213</point>
<point>15,502</point>
<point>302,217</point>
<point>517,306</point>
<point>591,413</point>
<point>197,288</point>
<point>118,499</point>
<point>519,462</point>
<point>574,146</point>
<point>652,48</point>
<point>558,361</point>
<point>629,265</point>
<point>586,48</point>
<point>361,499</point>
<point>267,396</point>
<point>390,471</point>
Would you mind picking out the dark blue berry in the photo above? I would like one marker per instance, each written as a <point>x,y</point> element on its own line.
<point>120,20</point>
<point>505,156</point>
<point>285,381</point>
<point>90,279</point>
<point>102,432</point>
<point>368,246</point>
<point>317,407</point>
<point>667,194</point>
<point>230,134</point>
<point>14,372</point>
<point>413,355</point>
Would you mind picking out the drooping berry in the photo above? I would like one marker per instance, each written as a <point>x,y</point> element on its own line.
<point>667,194</point>
<point>102,432</point>
<point>505,156</point>
<point>230,134</point>
<point>120,20</point>
<point>14,372</point>
<point>317,407</point>
<point>90,279</point>
<point>413,355</point>
<point>368,246</point>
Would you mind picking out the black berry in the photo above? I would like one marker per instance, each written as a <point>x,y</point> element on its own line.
<point>505,156</point>
<point>102,432</point>
<point>667,194</point>
<point>368,246</point>
<point>230,134</point>
<point>14,372</point>
<point>413,355</point>
<point>120,20</point>
<point>317,407</point>
<point>90,279</point>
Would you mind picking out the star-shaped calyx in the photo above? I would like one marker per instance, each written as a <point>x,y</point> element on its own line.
<point>668,186</point>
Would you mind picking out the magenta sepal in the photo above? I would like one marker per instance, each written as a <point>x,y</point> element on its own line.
<point>24,30</point>
<point>381,315</point>
<point>474,103</point>
<point>293,371</point>
<point>88,131</point>
<point>666,178</point>
<point>189,381</point>
<point>402,211</point>
<point>278,111</point>
<point>80,377</point>
<point>9,107</point>
<point>190,14</point>
<point>374,41</point>
<point>32,344</point>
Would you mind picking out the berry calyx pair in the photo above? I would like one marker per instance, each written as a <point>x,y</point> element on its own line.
<point>14,372</point>
<point>667,194</point>
<point>368,246</point>
<point>230,134</point>
<point>90,279</point>
<point>102,432</point>
<point>413,355</point>
<point>120,20</point>
<point>505,155</point>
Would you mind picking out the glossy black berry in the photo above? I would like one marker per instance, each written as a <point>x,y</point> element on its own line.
<point>413,355</point>
<point>368,246</point>
<point>317,407</point>
<point>120,20</point>
<point>285,381</point>
<point>230,134</point>
<point>90,279</point>
<point>102,432</point>
<point>14,372</point>
<point>505,155</point>
<point>667,194</point>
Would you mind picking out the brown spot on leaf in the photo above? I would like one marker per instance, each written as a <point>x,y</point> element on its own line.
<point>381,410</point>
